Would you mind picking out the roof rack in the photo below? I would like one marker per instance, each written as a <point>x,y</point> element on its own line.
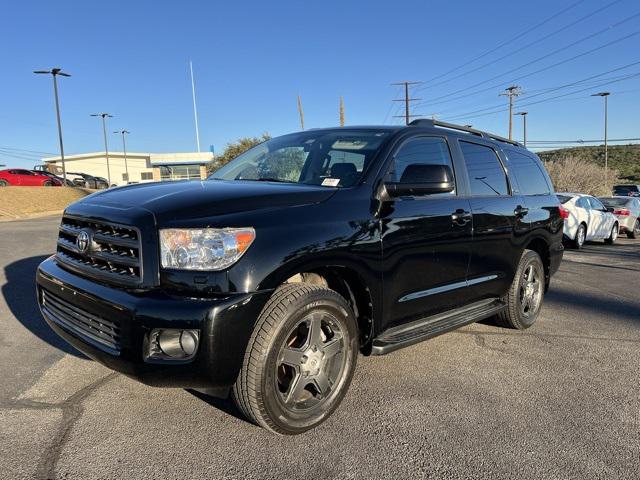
<point>426,122</point>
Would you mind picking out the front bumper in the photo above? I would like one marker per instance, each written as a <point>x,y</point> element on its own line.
<point>225,325</point>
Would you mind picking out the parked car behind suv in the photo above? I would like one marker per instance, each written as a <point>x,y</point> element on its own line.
<point>627,211</point>
<point>18,177</point>
<point>588,219</point>
<point>270,277</point>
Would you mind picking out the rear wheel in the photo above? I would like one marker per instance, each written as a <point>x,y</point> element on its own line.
<point>299,361</point>
<point>635,231</point>
<point>580,237</point>
<point>613,236</point>
<point>3,183</point>
<point>525,296</point>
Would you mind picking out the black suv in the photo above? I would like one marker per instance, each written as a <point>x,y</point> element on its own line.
<point>271,276</point>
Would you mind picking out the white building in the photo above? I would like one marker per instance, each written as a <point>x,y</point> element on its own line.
<point>138,167</point>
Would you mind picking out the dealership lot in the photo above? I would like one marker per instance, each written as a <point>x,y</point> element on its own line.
<point>559,400</point>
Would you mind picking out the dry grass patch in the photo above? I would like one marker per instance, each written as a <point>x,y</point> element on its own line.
<point>18,202</point>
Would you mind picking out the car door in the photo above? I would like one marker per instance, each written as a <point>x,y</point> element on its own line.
<point>597,219</point>
<point>606,219</point>
<point>15,178</point>
<point>27,179</point>
<point>425,239</point>
<point>497,220</point>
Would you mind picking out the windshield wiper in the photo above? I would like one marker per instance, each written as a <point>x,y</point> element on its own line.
<point>266,179</point>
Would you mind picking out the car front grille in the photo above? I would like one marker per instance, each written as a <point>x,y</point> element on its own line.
<point>93,328</point>
<point>110,252</point>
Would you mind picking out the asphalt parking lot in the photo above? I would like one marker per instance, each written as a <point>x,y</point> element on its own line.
<point>561,400</point>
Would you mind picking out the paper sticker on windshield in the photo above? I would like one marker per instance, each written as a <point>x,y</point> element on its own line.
<point>330,182</point>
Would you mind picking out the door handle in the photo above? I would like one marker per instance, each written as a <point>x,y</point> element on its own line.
<point>461,217</point>
<point>520,211</point>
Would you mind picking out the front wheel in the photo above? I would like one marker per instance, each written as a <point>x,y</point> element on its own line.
<point>48,183</point>
<point>300,359</point>
<point>613,236</point>
<point>524,298</point>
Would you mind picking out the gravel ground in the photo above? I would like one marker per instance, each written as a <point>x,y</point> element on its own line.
<point>560,400</point>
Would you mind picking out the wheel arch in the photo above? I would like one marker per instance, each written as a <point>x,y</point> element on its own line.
<point>543,249</point>
<point>345,279</point>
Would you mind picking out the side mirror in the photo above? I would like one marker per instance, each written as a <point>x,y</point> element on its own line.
<point>609,209</point>
<point>420,179</point>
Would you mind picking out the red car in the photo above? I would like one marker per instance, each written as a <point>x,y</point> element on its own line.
<point>26,178</point>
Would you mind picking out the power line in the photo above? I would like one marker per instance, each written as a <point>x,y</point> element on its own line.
<point>530,44</point>
<point>507,42</point>
<point>442,98</point>
<point>546,99</point>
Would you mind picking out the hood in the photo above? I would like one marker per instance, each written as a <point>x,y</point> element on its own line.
<point>169,201</point>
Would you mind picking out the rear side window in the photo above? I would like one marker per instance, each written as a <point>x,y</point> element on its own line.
<point>583,202</point>
<point>486,174</point>
<point>528,174</point>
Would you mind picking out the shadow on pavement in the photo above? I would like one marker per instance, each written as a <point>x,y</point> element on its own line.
<point>20,295</point>
<point>225,405</point>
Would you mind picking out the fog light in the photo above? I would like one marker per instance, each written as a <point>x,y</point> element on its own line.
<point>172,344</point>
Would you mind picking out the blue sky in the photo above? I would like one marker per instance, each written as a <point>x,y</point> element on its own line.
<point>251,59</point>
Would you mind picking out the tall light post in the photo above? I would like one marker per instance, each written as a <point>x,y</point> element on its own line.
<point>524,125</point>
<point>124,149</point>
<point>54,72</point>
<point>104,132</point>
<point>606,150</point>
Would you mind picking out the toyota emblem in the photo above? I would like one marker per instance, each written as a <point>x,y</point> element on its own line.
<point>83,241</point>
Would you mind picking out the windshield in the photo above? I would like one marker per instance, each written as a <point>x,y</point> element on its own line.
<point>615,202</point>
<point>328,158</point>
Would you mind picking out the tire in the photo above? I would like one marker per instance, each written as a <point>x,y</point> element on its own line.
<point>635,231</point>
<point>288,400</point>
<point>47,183</point>
<point>581,235</point>
<point>3,183</point>
<point>613,236</point>
<point>517,315</point>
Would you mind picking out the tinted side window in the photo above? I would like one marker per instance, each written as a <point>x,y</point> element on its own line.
<point>486,174</point>
<point>596,204</point>
<point>582,202</point>
<point>527,171</point>
<point>421,151</point>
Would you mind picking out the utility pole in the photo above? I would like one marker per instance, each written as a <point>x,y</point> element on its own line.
<point>54,72</point>
<point>106,147</point>
<point>524,125</point>
<point>195,110</point>
<point>606,119</point>
<point>407,115</point>
<point>511,92</point>
<point>341,111</point>
<point>124,149</point>
<point>301,113</point>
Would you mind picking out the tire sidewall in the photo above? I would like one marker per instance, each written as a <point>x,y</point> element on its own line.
<point>285,420</point>
<point>530,257</point>
<point>579,244</point>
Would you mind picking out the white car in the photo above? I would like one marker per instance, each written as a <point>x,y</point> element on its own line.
<point>588,219</point>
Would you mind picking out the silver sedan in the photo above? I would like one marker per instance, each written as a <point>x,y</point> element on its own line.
<point>627,209</point>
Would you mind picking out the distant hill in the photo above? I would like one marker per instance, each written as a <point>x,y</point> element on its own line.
<point>623,158</point>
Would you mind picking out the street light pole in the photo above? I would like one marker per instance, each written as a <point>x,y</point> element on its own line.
<point>524,125</point>
<point>124,149</point>
<point>106,147</point>
<point>54,72</point>
<point>606,121</point>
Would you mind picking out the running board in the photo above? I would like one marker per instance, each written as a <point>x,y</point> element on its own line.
<point>411,333</point>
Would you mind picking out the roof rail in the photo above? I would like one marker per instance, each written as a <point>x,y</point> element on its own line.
<point>426,122</point>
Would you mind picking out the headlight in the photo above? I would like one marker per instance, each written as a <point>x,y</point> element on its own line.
<point>203,248</point>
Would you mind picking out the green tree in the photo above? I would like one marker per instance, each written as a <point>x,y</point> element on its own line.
<point>232,150</point>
